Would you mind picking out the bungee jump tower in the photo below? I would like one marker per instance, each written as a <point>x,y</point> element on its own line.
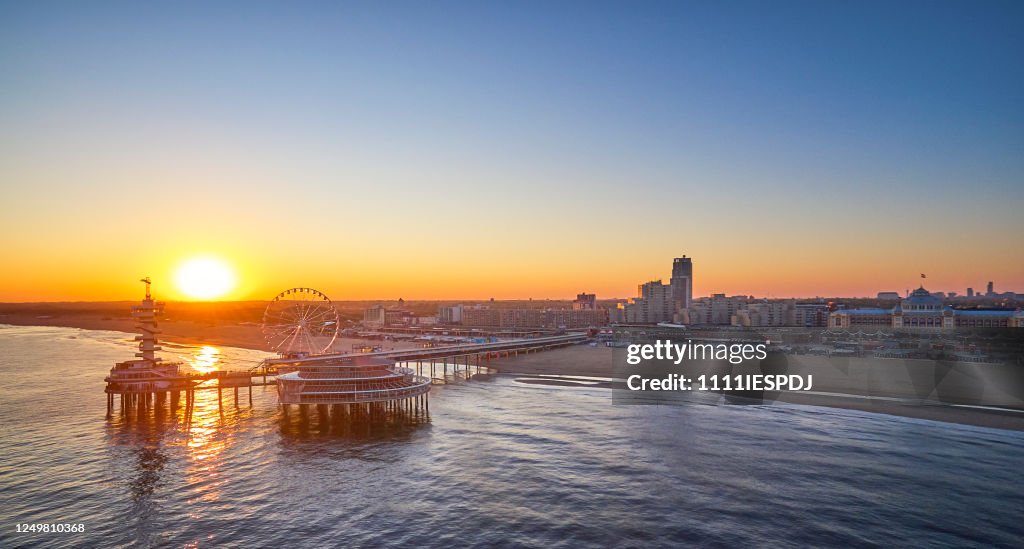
<point>147,381</point>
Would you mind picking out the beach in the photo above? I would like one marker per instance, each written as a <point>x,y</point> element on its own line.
<point>586,361</point>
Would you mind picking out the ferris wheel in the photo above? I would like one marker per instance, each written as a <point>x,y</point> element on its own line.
<point>300,320</point>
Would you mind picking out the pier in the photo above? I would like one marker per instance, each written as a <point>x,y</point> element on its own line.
<point>340,385</point>
<point>460,360</point>
<point>148,382</point>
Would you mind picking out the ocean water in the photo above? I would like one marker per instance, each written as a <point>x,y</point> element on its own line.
<point>499,463</point>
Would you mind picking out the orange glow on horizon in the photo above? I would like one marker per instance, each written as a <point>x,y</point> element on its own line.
<point>396,264</point>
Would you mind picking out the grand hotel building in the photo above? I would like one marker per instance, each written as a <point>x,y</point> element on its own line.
<point>921,309</point>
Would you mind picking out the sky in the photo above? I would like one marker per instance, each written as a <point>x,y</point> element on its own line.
<point>511,150</point>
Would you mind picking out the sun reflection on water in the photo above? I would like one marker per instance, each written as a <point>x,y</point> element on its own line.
<point>207,436</point>
<point>205,359</point>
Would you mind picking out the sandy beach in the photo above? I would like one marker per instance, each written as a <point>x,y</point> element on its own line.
<point>583,360</point>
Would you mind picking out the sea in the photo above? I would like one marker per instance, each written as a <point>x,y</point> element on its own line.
<point>498,462</point>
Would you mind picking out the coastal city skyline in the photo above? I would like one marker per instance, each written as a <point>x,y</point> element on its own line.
<point>522,154</point>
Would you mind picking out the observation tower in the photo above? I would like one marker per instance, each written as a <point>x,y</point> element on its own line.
<point>147,379</point>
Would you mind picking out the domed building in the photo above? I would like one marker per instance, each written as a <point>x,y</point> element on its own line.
<point>921,309</point>
<point>924,310</point>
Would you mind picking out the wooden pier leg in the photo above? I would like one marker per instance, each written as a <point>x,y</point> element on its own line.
<point>250,395</point>
<point>220,404</point>
<point>236,397</point>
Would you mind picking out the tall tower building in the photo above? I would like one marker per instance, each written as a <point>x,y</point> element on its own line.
<point>990,289</point>
<point>682,282</point>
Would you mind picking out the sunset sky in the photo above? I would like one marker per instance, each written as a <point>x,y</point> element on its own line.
<point>528,149</point>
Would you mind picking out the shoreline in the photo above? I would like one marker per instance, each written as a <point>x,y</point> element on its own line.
<point>578,360</point>
<point>187,332</point>
<point>586,361</point>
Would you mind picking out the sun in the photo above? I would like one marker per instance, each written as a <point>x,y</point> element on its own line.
<point>205,278</point>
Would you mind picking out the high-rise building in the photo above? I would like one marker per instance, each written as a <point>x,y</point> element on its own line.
<point>375,316</point>
<point>585,302</point>
<point>653,304</point>
<point>449,314</point>
<point>970,292</point>
<point>991,289</point>
<point>681,283</point>
<point>717,309</point>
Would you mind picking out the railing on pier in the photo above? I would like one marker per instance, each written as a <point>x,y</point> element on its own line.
<point>462,358</point>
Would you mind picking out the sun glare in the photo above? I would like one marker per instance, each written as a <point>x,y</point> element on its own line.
<point>205,278</point>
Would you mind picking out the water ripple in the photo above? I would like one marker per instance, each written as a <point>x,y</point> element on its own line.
<point>499,463</point>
